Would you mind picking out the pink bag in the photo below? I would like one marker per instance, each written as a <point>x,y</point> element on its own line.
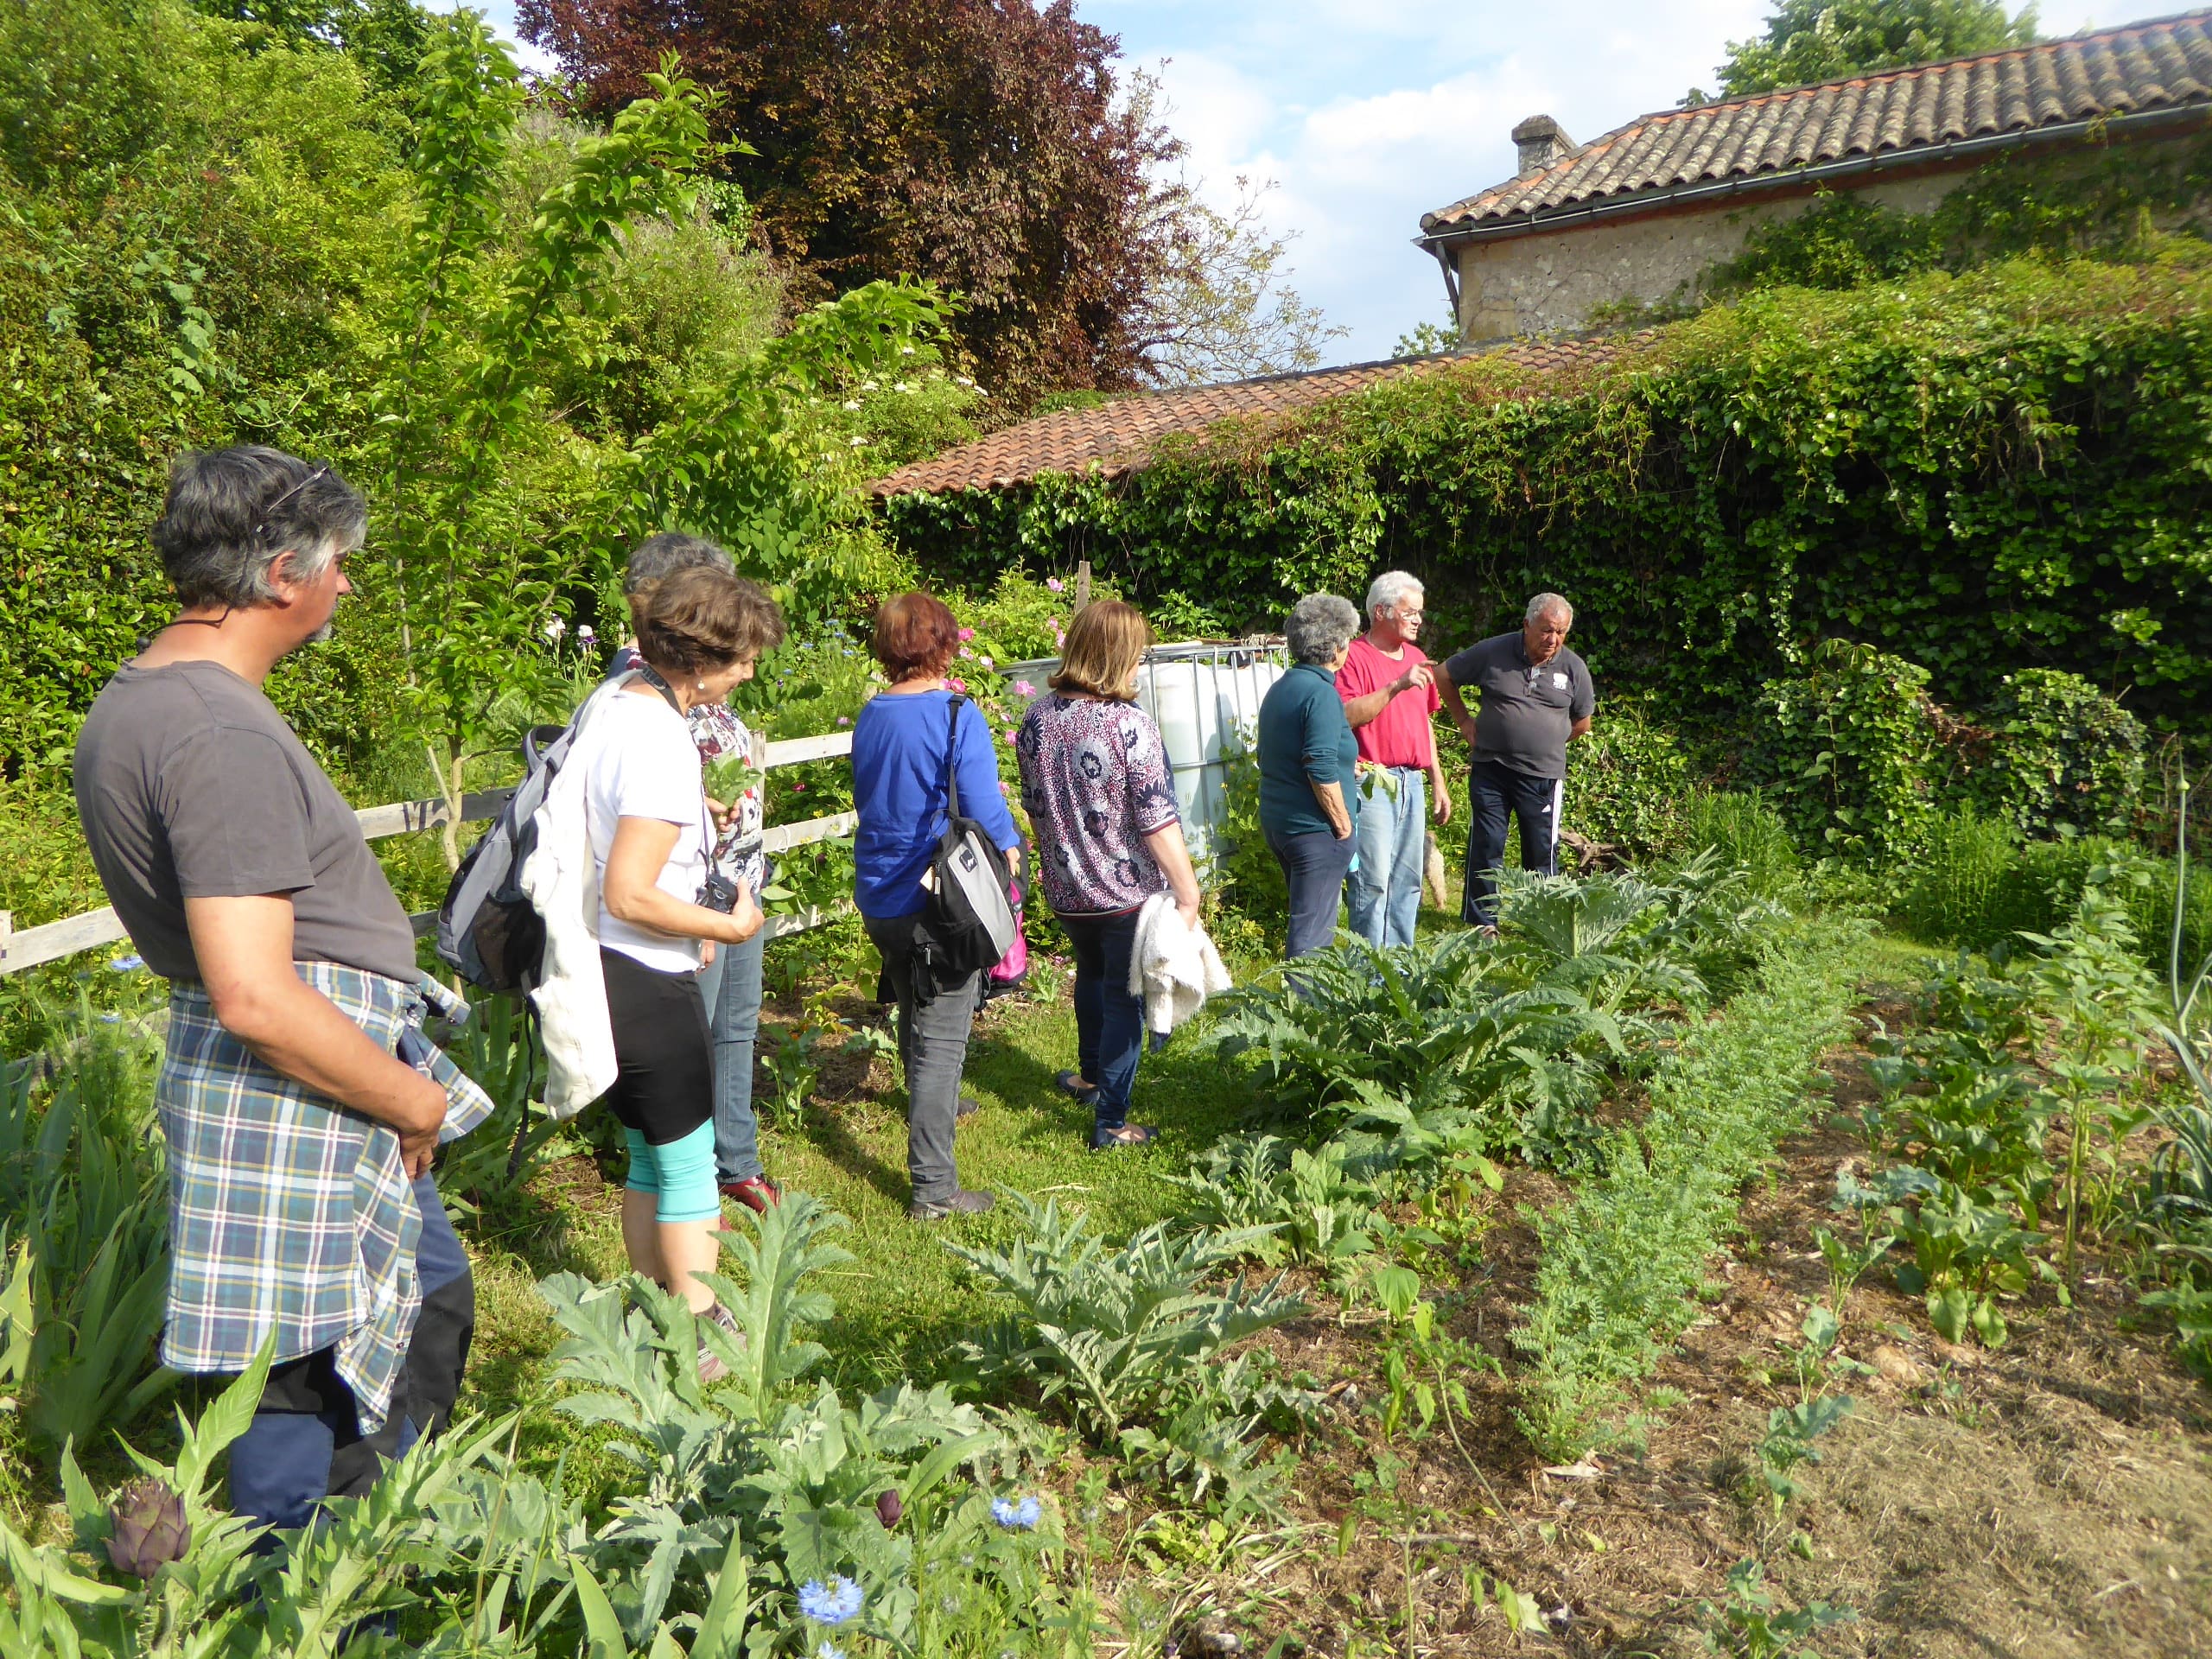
<point>1012,968</point>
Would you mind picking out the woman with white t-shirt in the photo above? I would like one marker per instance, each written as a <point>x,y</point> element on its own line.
<point>651,835</point>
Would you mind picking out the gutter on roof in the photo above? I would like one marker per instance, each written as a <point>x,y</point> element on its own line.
<point>1450,270</point>
<point>1570,217</point>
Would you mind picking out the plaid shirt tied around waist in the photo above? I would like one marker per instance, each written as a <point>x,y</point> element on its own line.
<point>289,1212</point>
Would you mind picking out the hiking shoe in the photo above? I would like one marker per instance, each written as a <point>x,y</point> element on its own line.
<point>755,1192</point>
<point>961,1203</point>
<point>712,1367</point>
<point>1071,1084</point>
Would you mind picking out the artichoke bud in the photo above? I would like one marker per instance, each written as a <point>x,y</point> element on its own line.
<point>150,1528</point>
<point>888,1509</point>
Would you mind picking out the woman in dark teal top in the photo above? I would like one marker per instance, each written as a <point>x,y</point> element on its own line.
<point>1307,759</point>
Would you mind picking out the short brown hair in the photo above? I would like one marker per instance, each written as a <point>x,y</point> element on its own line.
<point>704,617</point>
<point>1104,645</point>
<point>915,637</point>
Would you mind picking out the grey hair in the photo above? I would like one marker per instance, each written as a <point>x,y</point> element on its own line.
<point>1387,589</point>
<point>231,514</point>
<point>1543,602</point>
<point>1318,627</point>
<point>665,554</point>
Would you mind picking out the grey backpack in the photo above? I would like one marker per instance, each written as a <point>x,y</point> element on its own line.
<point>488,930</point>
<point>968,921</point>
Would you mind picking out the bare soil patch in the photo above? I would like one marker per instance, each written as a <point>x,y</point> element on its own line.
<point>2051,1498</point>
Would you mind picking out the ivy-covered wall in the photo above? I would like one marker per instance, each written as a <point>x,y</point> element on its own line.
<point>2004,469</point>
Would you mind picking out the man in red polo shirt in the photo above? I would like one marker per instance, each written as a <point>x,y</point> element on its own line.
<point>1389,692</point>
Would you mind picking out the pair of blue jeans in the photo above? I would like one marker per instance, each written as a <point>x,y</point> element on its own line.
<point>1314,865</point>
<point>1494,793</point>
<point>1384,893</point>
<point>305,1443</point>
<point>730,986</point>
<point>1109,1021</point>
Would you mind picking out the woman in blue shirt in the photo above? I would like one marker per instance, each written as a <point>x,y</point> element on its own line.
<point>900,744</point>
<point>1308,760</point>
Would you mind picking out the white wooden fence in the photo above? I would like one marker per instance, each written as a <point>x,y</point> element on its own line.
<point>53,940</point>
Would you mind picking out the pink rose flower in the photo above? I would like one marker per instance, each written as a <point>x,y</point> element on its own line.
<point>966,634</point>
<point>1023,689</point>
<point>1055,584</point>
<point>960,686</point>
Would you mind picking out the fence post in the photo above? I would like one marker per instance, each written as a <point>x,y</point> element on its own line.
<point>1081,584</point>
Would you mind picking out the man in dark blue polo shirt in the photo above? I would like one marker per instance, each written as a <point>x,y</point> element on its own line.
<point>1536,698</point>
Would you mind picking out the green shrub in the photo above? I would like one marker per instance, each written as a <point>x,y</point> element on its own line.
<point>2061,756</point>
<point>1976,883</point>
<point>1243,871</point>
<point>1746,833</point>
<point>1627,782</point>
<point>1964,885</point>
<point>1850,752</point>
<point>83,1180</point>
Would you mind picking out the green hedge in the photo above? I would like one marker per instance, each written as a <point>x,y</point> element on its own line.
<point>1985,473</point>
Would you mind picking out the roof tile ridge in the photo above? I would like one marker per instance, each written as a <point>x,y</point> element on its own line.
<point>1864,77</point>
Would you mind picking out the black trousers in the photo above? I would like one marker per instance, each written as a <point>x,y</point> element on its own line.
<point>305,1443</point>
<point>1495,794</point>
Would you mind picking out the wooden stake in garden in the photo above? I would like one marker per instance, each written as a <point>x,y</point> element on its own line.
<point>1082,583</point>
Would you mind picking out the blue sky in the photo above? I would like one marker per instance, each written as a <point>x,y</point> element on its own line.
<point>1367,113</point>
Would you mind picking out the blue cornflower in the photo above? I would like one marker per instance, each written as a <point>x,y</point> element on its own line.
<point>130,965</point>
<point>1015,1517</point>
<point>829,1604</point>
<point>825,1651</point>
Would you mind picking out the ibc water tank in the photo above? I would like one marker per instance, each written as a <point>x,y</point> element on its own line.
<point>1198,694</point>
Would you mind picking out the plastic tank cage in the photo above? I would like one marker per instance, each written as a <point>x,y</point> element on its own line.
<point>1199,694</point>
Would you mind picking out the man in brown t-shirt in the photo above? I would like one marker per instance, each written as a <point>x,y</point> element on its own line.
<point>303,1219</point>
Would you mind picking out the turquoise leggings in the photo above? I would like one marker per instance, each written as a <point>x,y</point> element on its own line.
<point>680,1174</point>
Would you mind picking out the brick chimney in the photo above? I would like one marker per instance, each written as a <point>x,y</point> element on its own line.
<point>1542,141</point>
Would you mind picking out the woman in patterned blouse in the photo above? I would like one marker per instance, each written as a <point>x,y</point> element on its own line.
<point>1097,785</point>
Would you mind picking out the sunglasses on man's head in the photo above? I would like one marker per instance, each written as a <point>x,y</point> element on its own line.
<point>261,530</point>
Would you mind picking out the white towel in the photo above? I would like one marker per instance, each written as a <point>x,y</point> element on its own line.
<point>562,879</point>
<point>1174,967</point>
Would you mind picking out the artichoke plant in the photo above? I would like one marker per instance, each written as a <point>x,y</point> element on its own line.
<point>150,1528</point>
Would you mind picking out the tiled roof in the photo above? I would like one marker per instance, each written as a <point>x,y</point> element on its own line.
<point>1116,436</point>
<point>2163,63</point>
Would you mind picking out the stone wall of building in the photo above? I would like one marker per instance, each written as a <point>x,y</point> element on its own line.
<point>1550,282</point>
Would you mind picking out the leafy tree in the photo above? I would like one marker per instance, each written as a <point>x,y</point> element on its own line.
<point>977,144</point>
<point>1426,338</point>
<point>388,38</point>
<point>483,322</point>
<point>1217,310</point>
<point>1812,40</point>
